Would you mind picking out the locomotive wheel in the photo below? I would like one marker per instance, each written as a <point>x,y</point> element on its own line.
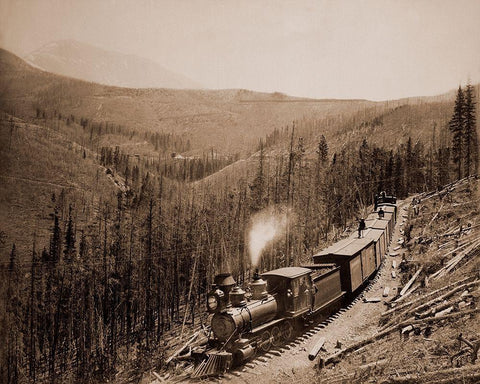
<point>287,331</point>
<point>266,341</point>
<point>277,337</point>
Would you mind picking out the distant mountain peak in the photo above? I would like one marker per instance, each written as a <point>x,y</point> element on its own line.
<point>91,63</point>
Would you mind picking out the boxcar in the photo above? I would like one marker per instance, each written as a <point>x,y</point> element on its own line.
<point>380,240</point>
<point>356,258</point>
<point>382,225</point>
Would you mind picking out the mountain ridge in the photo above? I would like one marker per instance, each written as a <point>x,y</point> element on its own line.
<point>91,63</point>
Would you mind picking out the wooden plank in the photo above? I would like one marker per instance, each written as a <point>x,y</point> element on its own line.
<point>386,291</point>
<point>394,264</point>
<point>394,275</point>
<point>316,348</point>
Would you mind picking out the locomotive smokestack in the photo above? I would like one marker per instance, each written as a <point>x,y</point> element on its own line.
<point>258,286</point>
<point>225,282</point>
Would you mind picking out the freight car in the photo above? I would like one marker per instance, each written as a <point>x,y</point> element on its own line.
<point>279,303</point>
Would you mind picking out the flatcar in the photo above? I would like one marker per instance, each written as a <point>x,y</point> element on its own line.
<point>278,303</point>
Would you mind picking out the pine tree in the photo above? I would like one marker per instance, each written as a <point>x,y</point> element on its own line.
<point>456,125</point>
<point>69,250</point>
<point>470,137</point>
<point>257,188</point>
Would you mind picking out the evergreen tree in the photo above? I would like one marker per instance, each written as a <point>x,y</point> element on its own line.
<point>470,137</point>
<point>456,125</point>
<point>257,189</point>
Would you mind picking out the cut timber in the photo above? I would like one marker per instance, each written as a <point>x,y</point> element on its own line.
<point>372,299</point>
<point>195,335</point>
<point>158,376</point>
<point>433,293</point>
<point>393,254</point>
<point>386,291</point>
<point>410,282</point>
<point>444,296</point>
<point>408,293</point>
<point>433,219</point>
<point>444,312</point>
<point>374,364</point>
<point>468,374</point>
<point>454,261</point>
<point>428,304</point>
<point>397,248</point>
<point>394,275</point>
<point>394,264</point>
<point>335,357</point>
<point>316,348</point>
<point>437,309</point>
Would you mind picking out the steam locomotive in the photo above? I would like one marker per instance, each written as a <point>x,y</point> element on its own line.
<point>280,302</point>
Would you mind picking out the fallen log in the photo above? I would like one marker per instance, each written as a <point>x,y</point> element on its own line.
<point>431,302</point>
<point>394,328</point>
<point>372,299</point>
<point>316,348</point>
<point>178,351</point>
<point>410,282</point>
<point>158,376</point>
<point>438,308</point>
<point>433,218</point>
<point>408,293</point>
<point>397,308</point>
<point>445,295</point>
<point>467,374</point>
<point>465,253</point>
<point>444,312</point>
<point>430,320</point>
<point>374,364</point>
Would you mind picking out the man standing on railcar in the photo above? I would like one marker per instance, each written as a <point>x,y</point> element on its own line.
<point>381,213</point>
<point>361,227</point>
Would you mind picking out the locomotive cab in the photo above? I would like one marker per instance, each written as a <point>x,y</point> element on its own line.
<point>296,282</point>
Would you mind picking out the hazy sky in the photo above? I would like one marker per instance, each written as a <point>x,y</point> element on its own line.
<point>374,49</point>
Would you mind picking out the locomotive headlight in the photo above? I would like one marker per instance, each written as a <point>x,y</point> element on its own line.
<point>212,303</point>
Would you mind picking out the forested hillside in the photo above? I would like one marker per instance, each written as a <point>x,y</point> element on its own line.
<point>229,121</point>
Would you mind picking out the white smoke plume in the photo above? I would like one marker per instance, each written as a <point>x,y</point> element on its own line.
<point>266,226</point>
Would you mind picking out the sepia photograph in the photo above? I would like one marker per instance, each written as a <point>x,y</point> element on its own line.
<point>236,192</point>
